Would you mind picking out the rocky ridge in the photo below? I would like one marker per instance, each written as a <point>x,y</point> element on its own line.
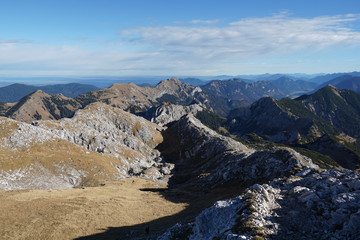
<point>123,143</point>
<point>35,158</point>
<point>109,130</point>
<point>168,113</point>
<point>205,159</point>
<point>135,98</point>
<point>40,105</point>
<point>326,204</point>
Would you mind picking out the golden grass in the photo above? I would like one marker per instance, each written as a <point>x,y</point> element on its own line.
<point>7,127</point>
<point>345,138</point>
<point>71,213</point>
<point>100,167</point>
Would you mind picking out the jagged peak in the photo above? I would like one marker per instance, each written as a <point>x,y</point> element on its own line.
<point>267,100</point>
<point>170,81</point>
<point>329,89</point>
<point>330,86</point>
<point>37,94</point>
<point>121,85</point>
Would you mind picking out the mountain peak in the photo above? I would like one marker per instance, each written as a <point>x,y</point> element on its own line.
<point>37,92</point>
<point>170,82</point>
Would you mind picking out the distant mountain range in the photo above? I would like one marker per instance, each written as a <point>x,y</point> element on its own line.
<point>14,92</point>
<point>327,77</point>
<point>221,96</point>
<point>194,81</point>
<point>344,82</point>
<point>327,121</point>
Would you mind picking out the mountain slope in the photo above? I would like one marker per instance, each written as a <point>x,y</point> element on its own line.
<point>121,143</point>
<point>14,92</point>
<point>193,81</point>
<point>328,77</point>
<point>340,108</point>
<point>344,82</point>
<point>225,95</point>
<point>34,158</point>
<point>135,98</point>
<point>292,87</point>
<point>326,122</point>
<point>69,90</point>
<point>40,105</point>
<point>267,117</point>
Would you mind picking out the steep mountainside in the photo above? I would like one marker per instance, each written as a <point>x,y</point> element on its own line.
<point>40,105</point>
<point>330,109</point>
<point>204,159</point>
<point>229,94</point>
<point>14,92</point>
<point>344,82</point>
<point>292,87</point>
<point>69,90</point>
<point>266,117</point>
<point>326,121</point>
<point>34,158</point>
<point>240,90</point>
<point>340,108</point>
<point>135,98</point>
<point>121,141</point>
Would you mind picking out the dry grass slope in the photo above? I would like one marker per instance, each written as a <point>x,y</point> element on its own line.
<point>72,213</point>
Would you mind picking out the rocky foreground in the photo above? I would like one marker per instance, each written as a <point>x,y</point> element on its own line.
<point>307,205</point>
<point>276,193</point>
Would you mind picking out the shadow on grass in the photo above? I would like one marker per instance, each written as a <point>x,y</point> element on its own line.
<point>197,202</point>
<point>183,187</point>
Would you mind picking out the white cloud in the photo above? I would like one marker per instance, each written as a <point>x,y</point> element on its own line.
<point>200,21</point>
<point>201,49</point>
<point>9,41</point>
<point>251,37</point>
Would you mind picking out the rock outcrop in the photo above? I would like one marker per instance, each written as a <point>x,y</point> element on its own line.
<point>168,113</point>
<point>205,159</point>
<point>35,158</point>
<point>105,129</point>
<point>308,205</point>
<point>123,144</point>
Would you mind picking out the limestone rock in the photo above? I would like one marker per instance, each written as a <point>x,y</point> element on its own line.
<point>274,210</point>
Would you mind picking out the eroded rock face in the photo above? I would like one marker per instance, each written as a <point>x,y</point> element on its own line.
<point>210,159</point>
<point>309,205</point>
<point>168,113</point>
<point>109,130</point>
<point>100,142</point>
<point>36,158</point>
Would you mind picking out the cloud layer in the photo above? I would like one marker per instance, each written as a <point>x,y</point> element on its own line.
<point>253,37</point>
<point>198,47</point>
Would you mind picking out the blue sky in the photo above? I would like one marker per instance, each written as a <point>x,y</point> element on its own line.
<point>194,38</point>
